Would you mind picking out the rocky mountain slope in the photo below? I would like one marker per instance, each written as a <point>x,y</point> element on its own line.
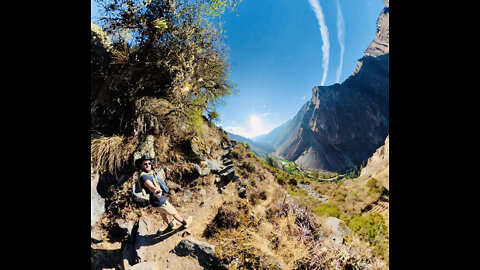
<point>242,217</point>
<point>343,124</point>
<point>378,165</point>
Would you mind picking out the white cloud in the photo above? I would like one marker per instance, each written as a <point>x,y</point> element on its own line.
<point>341,38</point>
<point>317,9</point>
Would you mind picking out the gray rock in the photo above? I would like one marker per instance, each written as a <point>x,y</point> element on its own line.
<point>137,192</point>
<point>338,228</point>
<point>202,192</point>
<point>97,203</point>
<point>212,166</point>
<point>143,239</point>
<point>225,144</point>
<point>200,151</point>
<point>144,229</point>
<point>145,148</point>
<point>198,169</point>
<point>126,226</point>
<point>193,247</point>
<point>236,179</point>
<point>227,173</point>
<point>187,196</point>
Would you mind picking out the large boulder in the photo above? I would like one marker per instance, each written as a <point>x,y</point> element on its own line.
<point>145,148</point>
<point>338,228</point>
<point>200,150</point>
<point>212,166</point>
<point>97,203</point>
<point>203,251</point>
<point>143,238</point>
<point>227,173</point>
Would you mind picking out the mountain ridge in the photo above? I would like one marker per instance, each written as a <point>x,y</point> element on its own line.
<point>343,124</point>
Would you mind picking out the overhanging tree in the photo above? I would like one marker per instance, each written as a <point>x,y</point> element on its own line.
<point>170,51</point>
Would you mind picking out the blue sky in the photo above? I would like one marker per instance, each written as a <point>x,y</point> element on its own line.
<point>281,49</point>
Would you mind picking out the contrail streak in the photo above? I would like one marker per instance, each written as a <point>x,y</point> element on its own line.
<point>341,38</point>
<point>324,33</point>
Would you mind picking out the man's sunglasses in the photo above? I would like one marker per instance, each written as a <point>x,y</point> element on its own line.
<point>146,163</point>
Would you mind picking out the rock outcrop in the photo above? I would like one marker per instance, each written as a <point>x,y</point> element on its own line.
<point>338,230</point>
<point>378,165</point>
<point>97,203</point>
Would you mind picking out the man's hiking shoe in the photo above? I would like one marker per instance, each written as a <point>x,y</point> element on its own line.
<point>168,229</point>
<point>188,221</point>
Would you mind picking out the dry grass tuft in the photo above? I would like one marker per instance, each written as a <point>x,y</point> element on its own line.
<point>110,154</point>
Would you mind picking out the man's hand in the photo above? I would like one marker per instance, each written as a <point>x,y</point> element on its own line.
<point>157,192</point>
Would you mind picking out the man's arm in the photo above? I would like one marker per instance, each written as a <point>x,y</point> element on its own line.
<point>152,188</point>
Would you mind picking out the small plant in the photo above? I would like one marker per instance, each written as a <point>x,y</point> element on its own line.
<point>249,166</point>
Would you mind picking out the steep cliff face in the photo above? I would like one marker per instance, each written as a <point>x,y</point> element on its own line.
<point>343,124</point>
<point>378,165</point>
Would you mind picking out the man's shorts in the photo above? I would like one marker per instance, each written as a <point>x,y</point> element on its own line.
<point>166,208</point>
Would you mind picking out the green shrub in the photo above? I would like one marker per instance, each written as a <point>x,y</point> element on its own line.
<point>326,210</point>
<point>374,186</point>
<point>372,228</point>
<point>298,192</point>
<point>292,181</point>
<point>280,179</point>
<point>195,120</point>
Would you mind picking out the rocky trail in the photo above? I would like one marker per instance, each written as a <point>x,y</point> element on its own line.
<point>147,247</point>
<point>139,242</point>
<point>312,193</point>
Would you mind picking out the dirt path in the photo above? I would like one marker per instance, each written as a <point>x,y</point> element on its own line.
<point>202,208</point>
<point>312,193</point>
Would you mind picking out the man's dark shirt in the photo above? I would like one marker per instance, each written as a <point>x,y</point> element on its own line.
<point>154,200</point>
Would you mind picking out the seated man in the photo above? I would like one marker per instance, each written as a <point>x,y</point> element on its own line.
<point>147,177</point>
